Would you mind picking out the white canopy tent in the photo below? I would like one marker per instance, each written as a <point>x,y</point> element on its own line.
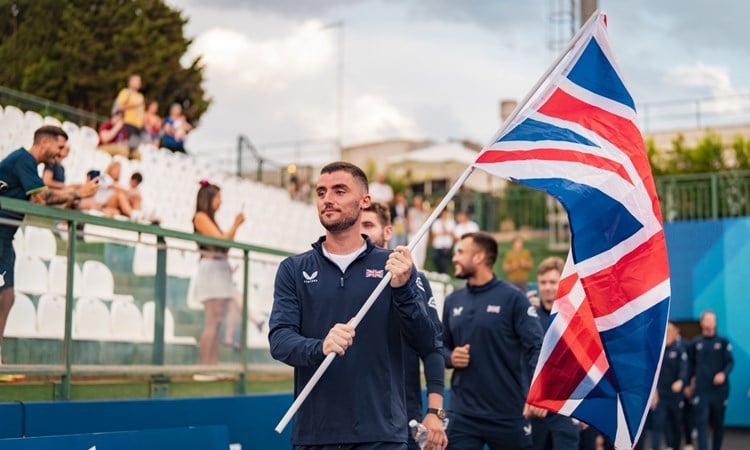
<point>439,162</point>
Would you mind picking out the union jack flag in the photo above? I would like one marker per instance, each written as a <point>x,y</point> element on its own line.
<point>578,140</point>
<point>374,273</point>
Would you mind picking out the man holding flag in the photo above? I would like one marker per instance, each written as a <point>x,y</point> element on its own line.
<point>360,404</point>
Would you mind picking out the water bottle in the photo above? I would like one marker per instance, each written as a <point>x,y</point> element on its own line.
<point>418,432</point>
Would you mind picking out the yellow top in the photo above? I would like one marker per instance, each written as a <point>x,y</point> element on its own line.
<point>131,103</point>
<point>517,264</point>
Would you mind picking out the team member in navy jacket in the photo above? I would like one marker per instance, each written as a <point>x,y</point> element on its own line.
<point>359,402</point>
<point>376,224</point>
<point>491,337</point>
<point>555,431</point>
<point>672,380</point>
<point>711,361</point>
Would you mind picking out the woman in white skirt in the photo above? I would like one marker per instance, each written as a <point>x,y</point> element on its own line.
<point>213,285</point>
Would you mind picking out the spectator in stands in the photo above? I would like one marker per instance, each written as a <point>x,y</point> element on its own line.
<point>131,102</point>
<point>54,172</point>
<point>176,128</point>
<point>19,179</point>
<point>381,191</point>
<point>464,225</point>
<point>293,188</point>
<point>152,124</point>
<point>234,314</point>
<point>213,285</point>
<point>417,216</point>
<point>110,198</point>
<point>113,136</point>
<point>442,241</point>
<point>133,194</point>
<point>517,264</point>
<point>400,219</point>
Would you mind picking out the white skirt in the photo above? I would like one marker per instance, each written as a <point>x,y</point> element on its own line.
<point>214,280</point>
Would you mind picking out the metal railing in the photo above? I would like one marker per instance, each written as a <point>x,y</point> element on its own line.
<point>46,107</point>
<point>703,196</point>
<point>158,369</point>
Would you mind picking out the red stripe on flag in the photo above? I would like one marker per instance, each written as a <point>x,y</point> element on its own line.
<point>575,353</point>
<point>554,154</point>
<point>566,284</point>
<point>619,131</point>
<point>630,277</point>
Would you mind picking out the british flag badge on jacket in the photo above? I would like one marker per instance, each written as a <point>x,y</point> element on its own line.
<point>374,273</point>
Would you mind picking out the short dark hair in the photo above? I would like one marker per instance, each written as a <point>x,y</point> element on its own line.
<point>137,177</point>
<point>381,211</point>
<point>49,131</point>
<point>549,264</point>
<point>486,243</point>
<point>343,166</point>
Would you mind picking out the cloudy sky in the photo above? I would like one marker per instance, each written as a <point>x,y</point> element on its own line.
<point>435,69</point>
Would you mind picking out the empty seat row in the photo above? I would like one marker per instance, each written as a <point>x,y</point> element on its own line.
<point>92,320</point>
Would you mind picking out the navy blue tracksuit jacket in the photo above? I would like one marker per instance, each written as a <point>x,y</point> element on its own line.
<point>361,396</point>
<point>505,335</point>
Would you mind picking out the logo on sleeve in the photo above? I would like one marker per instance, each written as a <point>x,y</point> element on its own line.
<point>531,312</point>
<point>494,309</point>
<point>374,273</point>
<point>432,303</point>
<point>457,311</point>
<point>420,285</point>
<point>310,278</point>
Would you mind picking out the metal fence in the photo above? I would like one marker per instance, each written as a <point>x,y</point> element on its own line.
<point>28,102</point>
<point>705,196</point>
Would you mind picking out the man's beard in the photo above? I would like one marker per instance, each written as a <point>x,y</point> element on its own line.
<point>465,273</point>
<point>344,223</point>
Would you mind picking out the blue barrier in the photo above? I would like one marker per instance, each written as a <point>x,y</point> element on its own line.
<point>11,420</point>
<point>191,438</point>
<point>249,420</point>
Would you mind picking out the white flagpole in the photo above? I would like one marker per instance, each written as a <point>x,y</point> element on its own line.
<point>425,227</point>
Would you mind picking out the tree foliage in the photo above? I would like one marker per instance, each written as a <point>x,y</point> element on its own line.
<point>710,154</point>
<point>81,52</point>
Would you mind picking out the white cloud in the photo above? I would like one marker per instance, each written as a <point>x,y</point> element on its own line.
<point>715,79</point>
<point>232,56</point>
<point>373,117</point>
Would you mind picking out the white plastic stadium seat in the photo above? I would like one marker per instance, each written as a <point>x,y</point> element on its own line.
<point>58,276</point>
<point>91,319</point>
<point>40,242</point>
<point>30,275</point>
<point>18,243</point>
<point>49,120</point>
<point>22,318</point>
<point>98,280</point>
<point>50,316</point>
<point>127,321</point>
<point>144,259</point>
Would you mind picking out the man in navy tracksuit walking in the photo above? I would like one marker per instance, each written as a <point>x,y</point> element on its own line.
<point>710,361</point>
<point>359,402</point>
<point>376,224</point>
<point>554,431</point>
<point>491,337</point>
<point>672,379</point>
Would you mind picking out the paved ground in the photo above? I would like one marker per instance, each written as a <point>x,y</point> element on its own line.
<point>736,439</point>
